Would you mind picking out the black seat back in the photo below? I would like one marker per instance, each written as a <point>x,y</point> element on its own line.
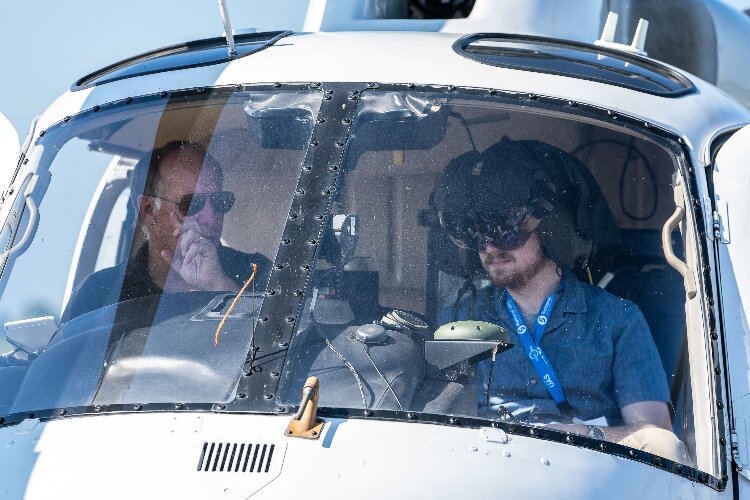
<point>659,292</point>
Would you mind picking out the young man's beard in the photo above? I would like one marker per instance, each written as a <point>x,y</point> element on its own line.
<point>516,277</point>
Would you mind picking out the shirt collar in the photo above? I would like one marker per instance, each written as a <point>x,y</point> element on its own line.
<point>570,301</point>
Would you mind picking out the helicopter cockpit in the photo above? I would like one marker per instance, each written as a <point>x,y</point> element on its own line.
<point>393,275</point>
<point>375,280</point>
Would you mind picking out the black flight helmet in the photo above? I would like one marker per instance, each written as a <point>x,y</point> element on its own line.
<point>514,188</point>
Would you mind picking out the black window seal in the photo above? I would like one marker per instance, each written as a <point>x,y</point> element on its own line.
<point>98,77</point>
<point>460,45</point>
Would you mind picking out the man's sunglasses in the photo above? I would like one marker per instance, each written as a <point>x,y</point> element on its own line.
<point>505,231</point>
<point>191,204</point>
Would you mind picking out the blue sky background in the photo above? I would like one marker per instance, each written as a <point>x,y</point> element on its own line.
<point>46,45</point>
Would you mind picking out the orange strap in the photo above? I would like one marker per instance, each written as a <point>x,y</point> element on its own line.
<point>234,303</point>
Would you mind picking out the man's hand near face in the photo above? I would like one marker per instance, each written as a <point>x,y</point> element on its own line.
<point>195,260</point>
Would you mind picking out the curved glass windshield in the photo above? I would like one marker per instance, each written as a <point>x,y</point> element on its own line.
<point>490,261</point>
<point>159,222</point>
<point>480,257</point>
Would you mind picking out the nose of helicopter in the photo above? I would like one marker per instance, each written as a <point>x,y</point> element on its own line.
<point>191,455</point>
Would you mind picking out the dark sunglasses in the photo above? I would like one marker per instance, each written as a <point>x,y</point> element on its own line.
<point>191,204</point>
<point>505,231</point>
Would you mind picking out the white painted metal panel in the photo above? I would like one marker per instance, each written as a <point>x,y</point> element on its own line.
<point>156,456</point>
<point>732,184</point>
<point>422,58</point>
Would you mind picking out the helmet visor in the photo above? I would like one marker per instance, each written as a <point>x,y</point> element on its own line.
<point>504,230</point>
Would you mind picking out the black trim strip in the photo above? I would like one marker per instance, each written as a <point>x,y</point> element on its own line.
<point>247,457</point>
<point>203,455</point>
<point>296,253</point>
<point>239,457</point>
<point>255,458</point>
<point>270,457</point>
<point>267,39</point>
<point>460,45</point>
<point>262,458</point>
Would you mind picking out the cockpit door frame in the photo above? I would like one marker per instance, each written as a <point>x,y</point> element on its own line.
<point>730,218</point>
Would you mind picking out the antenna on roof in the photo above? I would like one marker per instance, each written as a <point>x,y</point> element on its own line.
<point>228,33</point>
<point>608,36</point>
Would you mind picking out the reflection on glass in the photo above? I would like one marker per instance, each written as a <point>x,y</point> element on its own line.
<point>477,221</point>
<point>157,234</point>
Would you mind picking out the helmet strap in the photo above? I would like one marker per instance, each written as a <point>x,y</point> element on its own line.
<point>468,286</point>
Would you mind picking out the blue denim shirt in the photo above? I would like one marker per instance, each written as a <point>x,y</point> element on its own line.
<point>598,344</point>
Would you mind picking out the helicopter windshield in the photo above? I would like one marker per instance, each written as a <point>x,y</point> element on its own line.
<point>161,220</point>
<point>155,217</point>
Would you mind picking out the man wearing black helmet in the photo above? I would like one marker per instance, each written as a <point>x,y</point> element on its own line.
<point>583,360</point>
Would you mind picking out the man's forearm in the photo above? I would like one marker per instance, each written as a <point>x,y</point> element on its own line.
<point>612,434</point>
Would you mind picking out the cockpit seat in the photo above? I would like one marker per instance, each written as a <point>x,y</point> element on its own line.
<point>660,294</point>
<point>641,275</point>
<point>658,290</point>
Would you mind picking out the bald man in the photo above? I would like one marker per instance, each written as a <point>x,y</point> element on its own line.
<point>181,210</point>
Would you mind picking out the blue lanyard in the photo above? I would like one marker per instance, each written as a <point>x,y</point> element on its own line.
<point>531,344</point>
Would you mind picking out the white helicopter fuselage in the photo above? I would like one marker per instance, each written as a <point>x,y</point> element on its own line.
<point>178,453</point>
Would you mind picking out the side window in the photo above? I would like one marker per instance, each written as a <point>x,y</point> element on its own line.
<point>32,290</point>
<point>110,251</point>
